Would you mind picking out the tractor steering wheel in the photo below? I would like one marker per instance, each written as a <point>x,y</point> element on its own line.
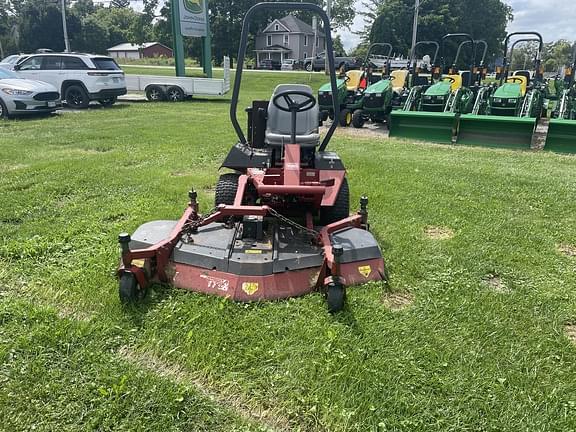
<point>292,105</point>
<point>516,79</point>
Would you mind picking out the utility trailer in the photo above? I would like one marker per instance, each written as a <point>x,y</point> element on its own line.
<point>176,89</point>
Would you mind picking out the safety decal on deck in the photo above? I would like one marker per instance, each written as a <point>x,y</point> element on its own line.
<point>138,263</point>
<point>214,282</point>
<point>365,270</point>
<point>249,287</point>
<point>253,251</point>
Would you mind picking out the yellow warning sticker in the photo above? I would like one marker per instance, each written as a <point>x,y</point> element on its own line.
<point>250,287</point>
<point>138,263</point>
<point>253,251</point>
<point>365,270</point>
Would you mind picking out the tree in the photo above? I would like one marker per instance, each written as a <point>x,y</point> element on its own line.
<point>338,46</point>
<point>483,19</point>
<point>120,3</point>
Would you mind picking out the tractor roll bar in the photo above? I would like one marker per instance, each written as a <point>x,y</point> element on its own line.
<point>242,54</point>
<point>378,44</point>
<point>476,43</point>
<point>425,42</point>
<point>468,38</point>
<point>536,37</point>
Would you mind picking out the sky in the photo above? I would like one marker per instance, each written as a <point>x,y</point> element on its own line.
<point>554,19</point>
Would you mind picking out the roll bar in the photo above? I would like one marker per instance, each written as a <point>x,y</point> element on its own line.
<point>242,54</point>
<point>535,37</point>
<point>476,43</point>
<point>425,42</point>
<point>374,45</point>
<point>468,38</point>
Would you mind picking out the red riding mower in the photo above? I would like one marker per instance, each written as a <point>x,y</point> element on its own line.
<point>280,226</point>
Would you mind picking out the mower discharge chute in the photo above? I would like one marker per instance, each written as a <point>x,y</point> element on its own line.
<point>512,109</point>
<point>432,113</point>
<point>562,129</point>
<point>280,226</point>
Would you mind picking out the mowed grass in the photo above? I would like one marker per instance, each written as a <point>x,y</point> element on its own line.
<point>469,335</point>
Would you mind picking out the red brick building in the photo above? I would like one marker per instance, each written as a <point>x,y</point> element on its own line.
<point>133,51</point>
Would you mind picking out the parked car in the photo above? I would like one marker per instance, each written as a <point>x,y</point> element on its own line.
<point>290,64</point>
<point>80,78</point>
<point>12,60</point>
<point>24,96</point>
<point>270,64</point>
<point>318,63</point>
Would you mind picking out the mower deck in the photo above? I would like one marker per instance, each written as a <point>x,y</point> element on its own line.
<point>283,263</point>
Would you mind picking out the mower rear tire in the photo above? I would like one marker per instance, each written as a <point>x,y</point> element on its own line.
<point>358,119</point>
<point>345,117</point>
<point>226,189</point>
<point>341,208</point>
<point>335,297</point>
<point>129,290</point>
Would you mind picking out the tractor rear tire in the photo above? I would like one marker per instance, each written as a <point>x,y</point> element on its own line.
<point>129,290</point>
<point>341,208</point>
<point>345,118</point>
<point>226,189</point>
<point>358,119</point>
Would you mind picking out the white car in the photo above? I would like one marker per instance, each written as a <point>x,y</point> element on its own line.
<point>23,96</point>
<point>289,64</point>
<point>12,60</point>
<point>80,78</point>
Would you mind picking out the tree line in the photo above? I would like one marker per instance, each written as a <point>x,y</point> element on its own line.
<point>26,25</point>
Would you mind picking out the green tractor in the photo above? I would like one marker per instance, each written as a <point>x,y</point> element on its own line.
<point>511,111</point>
<point>562,130</point>
<point>347,85</point>
<point>374,102</point>
<point>434,114</point>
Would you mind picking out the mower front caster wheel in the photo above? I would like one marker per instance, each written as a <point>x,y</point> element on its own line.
<point>335,297</point>
<point>129,290</point>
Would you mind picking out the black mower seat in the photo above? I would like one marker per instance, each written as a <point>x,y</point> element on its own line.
<point>279,124</point>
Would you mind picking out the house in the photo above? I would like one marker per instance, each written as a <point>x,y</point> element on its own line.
<point>288,38</point>
<point>133,51</point>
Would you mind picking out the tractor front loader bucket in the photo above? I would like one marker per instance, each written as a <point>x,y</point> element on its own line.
<point>436,127</point>
<point>496,131</point>
<point>561,136</point>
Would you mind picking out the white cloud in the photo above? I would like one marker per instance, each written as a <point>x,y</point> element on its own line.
<point>554,19</point>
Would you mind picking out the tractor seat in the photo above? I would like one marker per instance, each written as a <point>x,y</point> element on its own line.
<point>354,80</point>
<point>279,124</point>
<point>399,79</point>
<point>457,82</point>
<point>523,84</point>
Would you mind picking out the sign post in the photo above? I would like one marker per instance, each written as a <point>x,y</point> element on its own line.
<point>178,42</point>
<point>191,18</point>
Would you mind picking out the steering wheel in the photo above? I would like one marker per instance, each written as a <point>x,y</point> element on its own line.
<point>450,79</point>
<point>293,106</point>
<point>516,80</point>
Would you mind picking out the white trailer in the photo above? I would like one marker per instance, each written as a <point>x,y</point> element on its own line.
<point>175,89</point>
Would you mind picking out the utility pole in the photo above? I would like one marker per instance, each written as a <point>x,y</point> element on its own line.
<point>415,27</point>
<point>65,28</point>
<point>329,29</point>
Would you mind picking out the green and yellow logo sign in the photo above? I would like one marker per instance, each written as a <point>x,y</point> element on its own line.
<point>194,6</point>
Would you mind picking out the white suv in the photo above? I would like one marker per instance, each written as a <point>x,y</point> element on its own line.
<point>80,78</point>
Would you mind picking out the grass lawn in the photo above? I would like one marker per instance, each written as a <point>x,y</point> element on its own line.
<point>470,334</point>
